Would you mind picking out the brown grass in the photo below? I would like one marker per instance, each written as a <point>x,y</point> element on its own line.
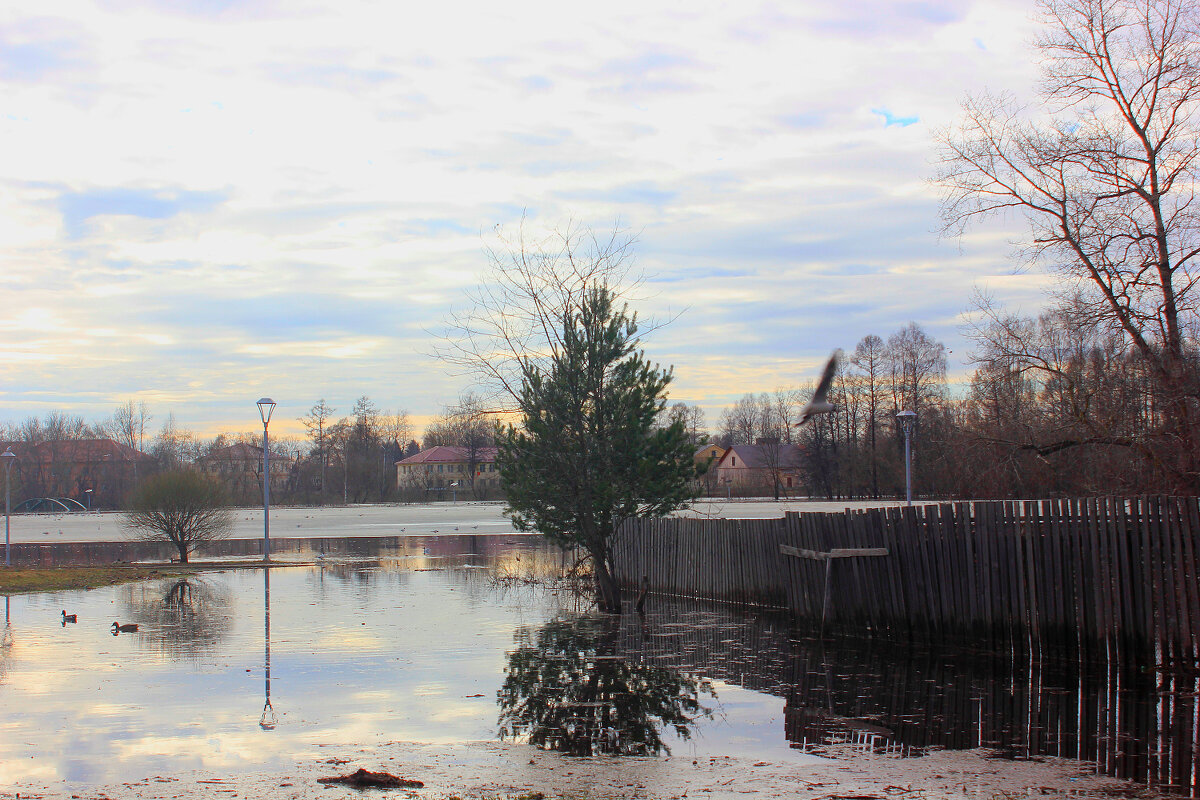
<point>19,580</point>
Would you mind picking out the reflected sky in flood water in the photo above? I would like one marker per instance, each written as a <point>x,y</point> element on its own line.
<point>443,641</point>
<point>398,649</point>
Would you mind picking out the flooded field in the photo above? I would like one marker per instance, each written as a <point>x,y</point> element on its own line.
<point>446,641</point>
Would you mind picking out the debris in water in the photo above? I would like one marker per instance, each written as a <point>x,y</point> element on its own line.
<point>383,780</point>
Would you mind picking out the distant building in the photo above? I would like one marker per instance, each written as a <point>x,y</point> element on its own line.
<point>706,458</point>
<point>438,470</point>
<point>70,467</point>
<point>239,467</point>
<point>710,452</point>
<point>760,468</point>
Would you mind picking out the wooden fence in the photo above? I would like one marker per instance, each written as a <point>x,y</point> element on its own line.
<point>1075,571</point>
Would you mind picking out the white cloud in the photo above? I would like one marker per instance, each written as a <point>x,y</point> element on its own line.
<point>211,201</point>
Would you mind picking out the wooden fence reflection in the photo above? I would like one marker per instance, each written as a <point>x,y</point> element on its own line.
<point>1133,719</point>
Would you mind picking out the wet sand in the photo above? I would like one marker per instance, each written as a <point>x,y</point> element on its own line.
<point>500,770</point>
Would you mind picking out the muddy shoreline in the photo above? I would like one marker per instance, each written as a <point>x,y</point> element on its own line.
<point>505,770</point>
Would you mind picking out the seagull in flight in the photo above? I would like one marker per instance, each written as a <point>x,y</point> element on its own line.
<point>818,404</point>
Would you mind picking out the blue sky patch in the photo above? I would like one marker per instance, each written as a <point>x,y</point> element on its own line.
<point>890,119</point>
<point>78,207</point>
<point>32,61</point>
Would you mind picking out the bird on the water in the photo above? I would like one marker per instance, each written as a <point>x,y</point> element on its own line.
<point>128,627</point>
<point>819,402</point>
<point>69,617</point>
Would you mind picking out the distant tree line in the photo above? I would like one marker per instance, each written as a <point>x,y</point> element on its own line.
<point>348,458</point>
<point>1057,405</point>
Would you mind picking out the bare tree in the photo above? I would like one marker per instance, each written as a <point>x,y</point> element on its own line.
<point>741,423</point>
<point>514,320</point>
<point>316,422</point>
<point>173,446</point>
<point>869,361</point>
<point>769,438</point>
<point>916,367</point>
<point>183,507</point>
<point>692,419</point>
<point>785,406</point>
<point>127,426</point>
<point>1060,381</point>
<point>1106,178</point>
<point>128,423</point>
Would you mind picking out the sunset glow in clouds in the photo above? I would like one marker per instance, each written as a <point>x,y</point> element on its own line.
<point>207,202</point>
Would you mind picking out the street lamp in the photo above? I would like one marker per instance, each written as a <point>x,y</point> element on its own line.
<point>88,493</point>
<point>265,406</point>
<point>908,419</point>
<point>9,457</point>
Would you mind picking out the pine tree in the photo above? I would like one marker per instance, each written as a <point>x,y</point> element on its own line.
<point>588,455</point>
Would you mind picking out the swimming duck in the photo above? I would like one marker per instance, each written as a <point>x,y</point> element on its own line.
<point>126,628</point>
<point>69,617</point>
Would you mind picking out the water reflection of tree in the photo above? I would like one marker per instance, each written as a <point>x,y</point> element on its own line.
<point>185,617</point>
<point>567,690</point>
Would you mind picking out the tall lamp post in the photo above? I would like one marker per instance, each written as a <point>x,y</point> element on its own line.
<point>907,419</point>
<point>265,406</point>
<point>88,494</point>
<point>9,457</point>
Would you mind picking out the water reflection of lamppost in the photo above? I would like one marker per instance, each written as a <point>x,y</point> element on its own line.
<point>6,639</point>
<point>907,420</point>
<point>265,406</point>
<point>9,457</point>
<point>268,720</point>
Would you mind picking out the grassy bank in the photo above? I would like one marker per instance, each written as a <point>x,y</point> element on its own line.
<point>18,580</point>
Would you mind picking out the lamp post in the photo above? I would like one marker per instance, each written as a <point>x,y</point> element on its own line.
<point>265,406</point>
<point>9,457</point>
<point>907,420</point>
<point>88,494</point>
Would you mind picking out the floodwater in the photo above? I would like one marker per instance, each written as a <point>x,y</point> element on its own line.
<point>247,669</point>
<point>425,640</point>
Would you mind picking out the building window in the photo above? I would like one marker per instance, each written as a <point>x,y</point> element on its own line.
<point>439,467</point>
<point>733,461</point>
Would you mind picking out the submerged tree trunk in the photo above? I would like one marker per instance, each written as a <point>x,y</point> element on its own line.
<point>608,594</point>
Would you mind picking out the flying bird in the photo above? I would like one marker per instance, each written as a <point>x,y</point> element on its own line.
<point>818,404</point>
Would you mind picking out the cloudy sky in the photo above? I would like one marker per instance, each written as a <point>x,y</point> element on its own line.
<point>206,201</point>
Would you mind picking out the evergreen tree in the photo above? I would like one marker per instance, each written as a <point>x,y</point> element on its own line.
<point>588,454</point>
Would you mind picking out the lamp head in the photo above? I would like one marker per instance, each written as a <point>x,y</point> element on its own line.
<point>265,406</point>
<point>9,456</point>
<point>907,420</point>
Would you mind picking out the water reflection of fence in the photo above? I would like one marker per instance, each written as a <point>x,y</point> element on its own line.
<point>1133,719</point>
<point>1079,571</point>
